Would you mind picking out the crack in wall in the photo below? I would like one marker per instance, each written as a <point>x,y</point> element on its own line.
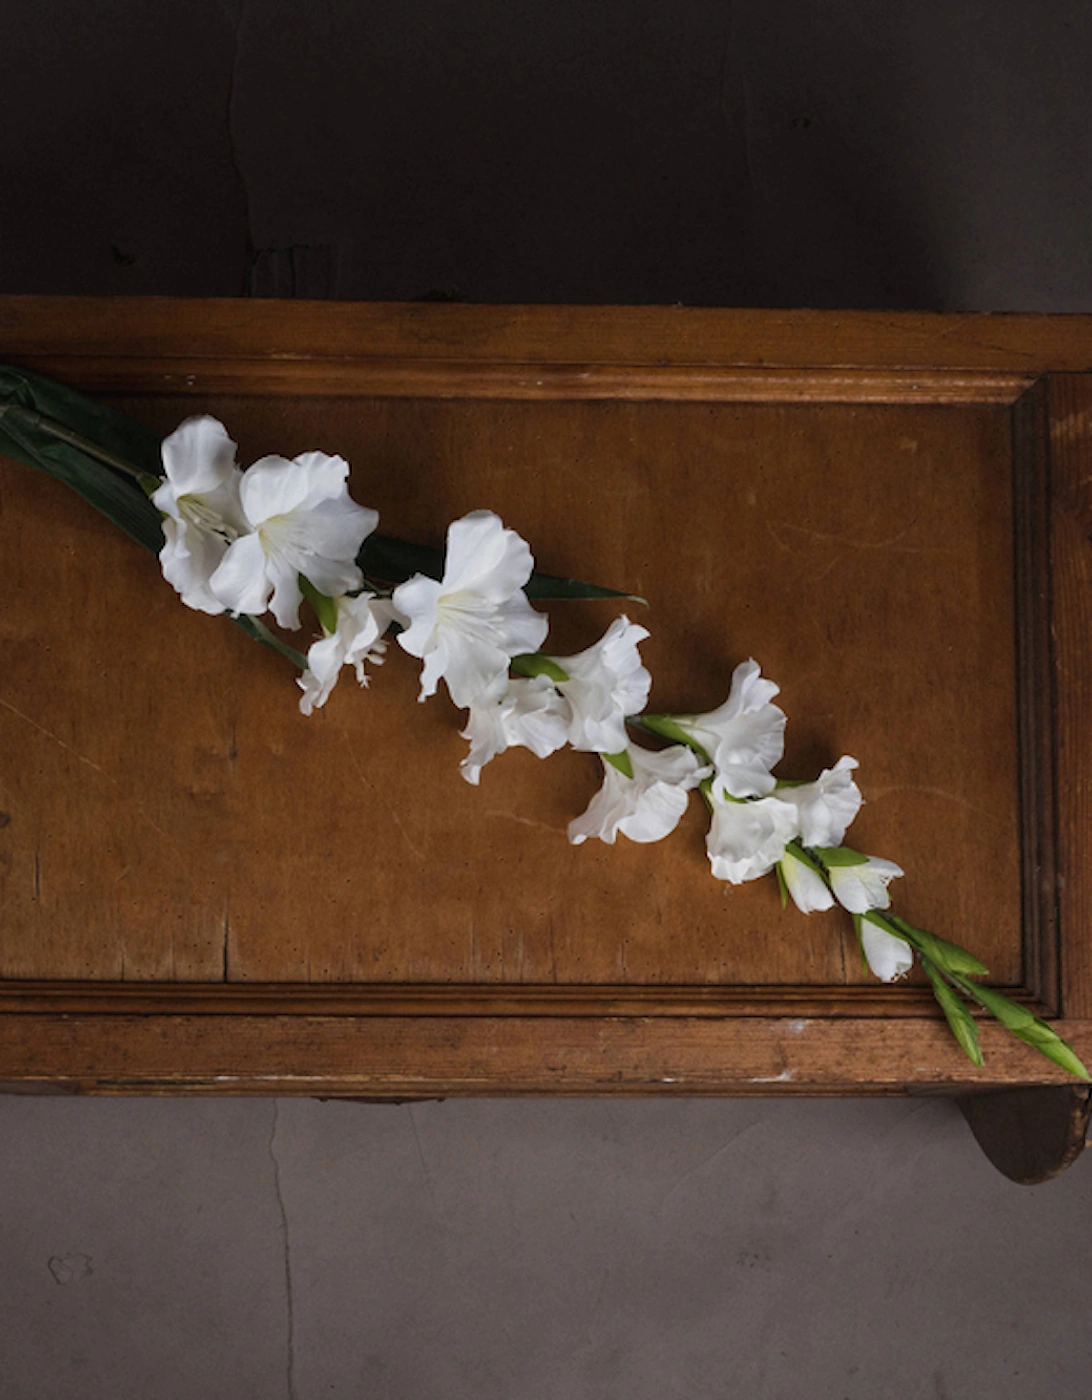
<point>290,1348</point>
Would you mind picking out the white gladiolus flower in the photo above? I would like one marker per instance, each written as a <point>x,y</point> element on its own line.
<point>529,714</point>
<point>467,627</point>
<point>745,737</point>
<point>605,683</point>
<point>809,890</point>
<point>646,807</point>
<point>859,888</point>
<point>888,956</point>
<point>302,521</point>
<point>747,839</point>
<point>358,638</point>
<point>827,806</point>
<point>199,500</point>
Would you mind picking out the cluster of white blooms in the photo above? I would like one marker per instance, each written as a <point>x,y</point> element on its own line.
<point>246,541</point>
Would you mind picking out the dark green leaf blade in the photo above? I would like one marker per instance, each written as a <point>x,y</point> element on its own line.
<point>41,423</point>
<point>548,587</point>
<point>112,432</point>
<point>117,497</point>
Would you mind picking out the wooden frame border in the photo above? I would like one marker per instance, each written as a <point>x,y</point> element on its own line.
<point>160,345</point>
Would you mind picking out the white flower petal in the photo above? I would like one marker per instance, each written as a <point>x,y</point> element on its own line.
<point>361,622</point>
<point>646,807</point>
<point>485,558</point>
<point>827,806</point>
<point>287,594</point>
<point>888,957</point>
<point>189,558</point>
<point>859,888</point>
<point>809,890</point>
<point>326,477</point>
<point>418,599</point>
<point>745,737</point>
<point>198,456</point>
<point>466,634</point>
<point>747,839</point>
<point>272,487</point>
<point>606,683</point>
<point>335,531</point>
<point>530,714</point>
<point>240,583</point>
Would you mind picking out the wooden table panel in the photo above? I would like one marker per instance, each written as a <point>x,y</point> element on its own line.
<point>204,891</point>
<point>202,829</point>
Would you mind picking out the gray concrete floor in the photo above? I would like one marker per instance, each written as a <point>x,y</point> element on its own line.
<point>852,154</point>
<point>546,1250</point>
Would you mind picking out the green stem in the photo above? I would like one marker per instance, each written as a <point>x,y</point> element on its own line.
<point>534,663</point>
<point>261,633</point>
<point>62,434</point>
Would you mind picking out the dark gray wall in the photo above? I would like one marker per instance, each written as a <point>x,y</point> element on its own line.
<point>846,154</point>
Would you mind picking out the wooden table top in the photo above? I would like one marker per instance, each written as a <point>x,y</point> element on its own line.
<point>204,891</point>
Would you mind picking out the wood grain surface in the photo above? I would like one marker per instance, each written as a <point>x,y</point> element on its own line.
<point>862,503</point>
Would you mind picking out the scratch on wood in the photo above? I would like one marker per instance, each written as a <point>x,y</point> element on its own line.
<point>524,821</point>
<point>389,806</point>
<point>37,877</point>
<point>894,542</point>
<point>942,793</point>
<point>56,738</point>
<point>93,765</point>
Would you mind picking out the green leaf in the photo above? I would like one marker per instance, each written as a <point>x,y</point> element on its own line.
<point>259,632</point>
<point>393,561</point>
<point>1028,1027</point>
<point>1011,1014</point>
<point>550,587</point>
<point>115,438</point>
<point>1049,1043</point>
<point>621,761</point>
<point>324,606</point>
<point>797,852</point>
<point>90,449</point>
<point>960,1021</point>
<point>108,459</point>
<point>533,663</point>
<point>835,857</point>
<point>667,728</point>
<point>857,919</point>
<point>949,956</point>
<point>781,885</point>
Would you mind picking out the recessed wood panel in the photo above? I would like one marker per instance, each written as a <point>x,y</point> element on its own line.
<point>174,818</point>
